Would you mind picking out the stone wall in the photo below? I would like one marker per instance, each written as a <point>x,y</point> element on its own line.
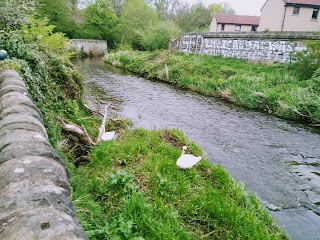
<point>34,186</point>
<point>256,46</point>
<point>91,47</point>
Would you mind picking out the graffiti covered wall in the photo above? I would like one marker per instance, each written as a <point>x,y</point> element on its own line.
<point>263,47</point>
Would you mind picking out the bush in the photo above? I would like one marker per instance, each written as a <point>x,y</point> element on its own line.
<point>308,61</point>
<point>38,30</point>
<point>158,36</point>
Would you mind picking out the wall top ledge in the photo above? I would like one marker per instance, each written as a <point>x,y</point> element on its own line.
<point>263,35</point>
<point>88,40</point>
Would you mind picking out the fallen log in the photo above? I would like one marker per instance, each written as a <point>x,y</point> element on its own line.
<point>82,135</point>
<point>80,132</point>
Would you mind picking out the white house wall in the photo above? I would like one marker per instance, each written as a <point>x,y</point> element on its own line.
<point>301,21</point>
<point>272,15</point>
<point>231,28</point>
<point>213,25</point>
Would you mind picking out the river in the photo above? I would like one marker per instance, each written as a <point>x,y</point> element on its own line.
<point>277,160</point>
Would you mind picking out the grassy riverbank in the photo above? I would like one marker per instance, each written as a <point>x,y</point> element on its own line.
<point>275,89</point>
<point>132,189</point>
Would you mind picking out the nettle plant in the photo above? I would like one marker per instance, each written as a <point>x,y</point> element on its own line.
<point>122,182</point>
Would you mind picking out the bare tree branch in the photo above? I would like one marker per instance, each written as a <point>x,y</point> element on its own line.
<point>79,132</point>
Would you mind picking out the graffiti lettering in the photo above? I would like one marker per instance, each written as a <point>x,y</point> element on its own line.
<point>265,50</point>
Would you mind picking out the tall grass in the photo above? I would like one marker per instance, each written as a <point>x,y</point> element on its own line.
<point>132,189</point>
<point>276,89</point>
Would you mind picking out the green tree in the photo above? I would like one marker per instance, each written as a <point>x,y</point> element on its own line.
<point>99,21</point>
<point>60,14</point>
<point>136,16</point>
<point>224,8</point>
<point>168,9</point>
<point>197,19</point>
<point>117,6</point>
<point>157,36</point>
<point>199,16</point>
<point>214,8</point>
<point>38,31</point>
<point>162,8</point>
<point>227,9</point>
<point>178,10</point>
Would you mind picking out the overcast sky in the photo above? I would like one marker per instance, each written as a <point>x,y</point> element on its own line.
<point>242,7</point>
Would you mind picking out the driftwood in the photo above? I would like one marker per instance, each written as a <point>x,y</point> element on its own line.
<point>82,159</point>
<point>93,111</point>
<point>82,135</point>
<point>80,141</point>
<point>79,132</point>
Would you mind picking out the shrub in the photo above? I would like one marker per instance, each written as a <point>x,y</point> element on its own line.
<point>38,30</point>
<point>308,61</point>
<point>158,36</point>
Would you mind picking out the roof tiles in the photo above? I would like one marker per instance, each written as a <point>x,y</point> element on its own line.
<point>304,2</point>
<point>237,19</point>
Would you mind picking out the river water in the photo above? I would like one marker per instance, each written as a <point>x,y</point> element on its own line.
<point>277,160</point>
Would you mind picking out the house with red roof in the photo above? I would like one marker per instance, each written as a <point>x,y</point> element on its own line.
<point>290,15</point>
<point>234,23</point>
<point>276,15</point>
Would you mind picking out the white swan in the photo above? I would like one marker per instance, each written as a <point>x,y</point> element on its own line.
<point>187,160</point>
<point>107,136</point>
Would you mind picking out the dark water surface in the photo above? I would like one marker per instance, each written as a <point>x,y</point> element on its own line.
<point>277,160</point>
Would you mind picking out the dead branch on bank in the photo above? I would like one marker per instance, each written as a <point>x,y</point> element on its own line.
<point>95,112</point>
<point>79,134</point>
<point>81,159</point>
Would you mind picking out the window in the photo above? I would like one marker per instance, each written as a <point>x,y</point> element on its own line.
<point>237,28</point>
<point>253,28</point>
<point>222,27</point>
<point>296,10</point>
<point>315,14</point>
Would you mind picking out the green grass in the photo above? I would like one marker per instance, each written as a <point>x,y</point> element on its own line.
<point>132,189</point>
<point>275,89</point>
